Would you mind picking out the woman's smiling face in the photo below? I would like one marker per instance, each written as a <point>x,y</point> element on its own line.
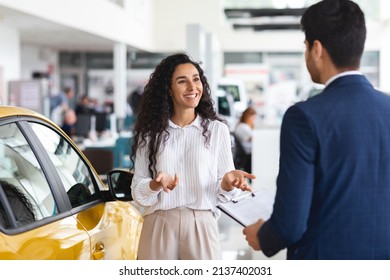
<point>186,87</point>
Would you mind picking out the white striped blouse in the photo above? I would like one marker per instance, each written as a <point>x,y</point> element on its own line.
<point>199,168</point>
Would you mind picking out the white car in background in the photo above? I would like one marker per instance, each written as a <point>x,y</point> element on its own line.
<point>224,105</point>
<point>236,88</point>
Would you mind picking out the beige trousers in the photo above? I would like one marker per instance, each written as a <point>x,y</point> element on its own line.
<point>179,234</point>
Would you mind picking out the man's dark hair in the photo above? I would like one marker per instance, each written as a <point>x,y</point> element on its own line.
<point>340,27</point>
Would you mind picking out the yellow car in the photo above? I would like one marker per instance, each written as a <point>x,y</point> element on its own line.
<point>53,205</point>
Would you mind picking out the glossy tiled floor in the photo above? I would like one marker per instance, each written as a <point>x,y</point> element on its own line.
<point>234,245</point>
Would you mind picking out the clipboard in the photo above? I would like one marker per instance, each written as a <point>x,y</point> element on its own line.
<point>249,208</point>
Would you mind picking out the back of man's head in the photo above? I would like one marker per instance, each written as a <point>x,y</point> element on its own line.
<point>340,27</point>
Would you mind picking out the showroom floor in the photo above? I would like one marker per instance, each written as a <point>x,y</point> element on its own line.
<point>233,243</point>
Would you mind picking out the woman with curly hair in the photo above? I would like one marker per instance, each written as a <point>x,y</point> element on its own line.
<point>183,164</point>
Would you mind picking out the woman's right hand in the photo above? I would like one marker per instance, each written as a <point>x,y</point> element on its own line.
<point>164,181</point>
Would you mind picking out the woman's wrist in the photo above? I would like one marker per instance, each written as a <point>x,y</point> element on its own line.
<point>154,185</point>
<point>225,186</point>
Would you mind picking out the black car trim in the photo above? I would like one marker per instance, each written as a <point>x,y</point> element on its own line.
<point>36,224</point>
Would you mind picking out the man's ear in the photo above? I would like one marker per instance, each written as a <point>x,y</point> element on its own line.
<point>317,50</point>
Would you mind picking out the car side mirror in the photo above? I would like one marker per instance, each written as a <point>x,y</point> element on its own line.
<point>119,182</point>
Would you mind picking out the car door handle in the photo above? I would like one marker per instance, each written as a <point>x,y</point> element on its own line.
<point>99,251</point>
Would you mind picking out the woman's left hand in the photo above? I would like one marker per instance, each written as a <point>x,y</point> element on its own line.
<point>236,179</point>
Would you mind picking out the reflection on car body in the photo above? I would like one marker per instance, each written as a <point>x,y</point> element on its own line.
<point>74,214</point>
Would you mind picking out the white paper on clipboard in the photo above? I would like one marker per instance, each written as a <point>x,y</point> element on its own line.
<point>249,208</point>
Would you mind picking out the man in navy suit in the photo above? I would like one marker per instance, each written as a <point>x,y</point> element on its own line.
<point>333,186</point>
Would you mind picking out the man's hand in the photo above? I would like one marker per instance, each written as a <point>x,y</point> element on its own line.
<point>251,234</point>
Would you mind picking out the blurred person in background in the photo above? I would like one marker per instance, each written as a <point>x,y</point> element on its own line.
<point>69,122</point>
<point>243,136</point>
<point>133,99</point>
<point>84,106</point>
<point>60,103</point>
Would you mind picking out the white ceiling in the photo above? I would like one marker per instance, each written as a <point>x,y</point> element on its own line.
<point>40,32</point>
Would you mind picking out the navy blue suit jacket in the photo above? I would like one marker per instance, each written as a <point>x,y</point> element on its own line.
<point>333,186</point>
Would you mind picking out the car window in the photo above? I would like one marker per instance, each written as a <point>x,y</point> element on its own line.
<point>73,171</point>
<point>19,203</point>
<point>24,188</point>
<point>223,106</point>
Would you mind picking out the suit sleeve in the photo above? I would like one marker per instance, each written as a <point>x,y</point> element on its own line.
<point>295,181</point>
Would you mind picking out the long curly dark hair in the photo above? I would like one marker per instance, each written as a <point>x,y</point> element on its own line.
<point>156,108</point>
